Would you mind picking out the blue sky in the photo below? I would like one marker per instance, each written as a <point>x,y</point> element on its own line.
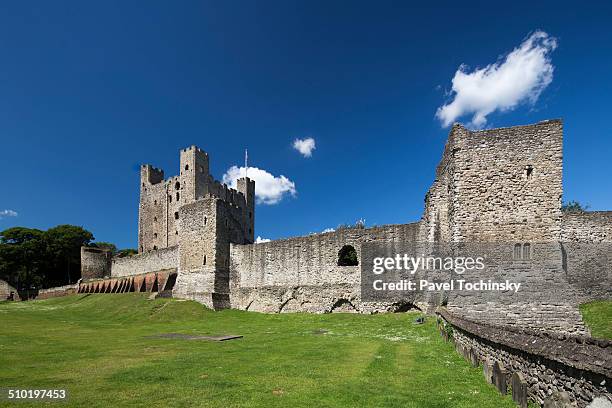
<point>89,90</point>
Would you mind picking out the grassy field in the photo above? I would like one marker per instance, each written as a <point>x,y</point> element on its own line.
<point>99,348</point>
<point>598,317</point>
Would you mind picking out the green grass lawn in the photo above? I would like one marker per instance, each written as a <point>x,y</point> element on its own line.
<point>598,317</point>
<point>97,347</point>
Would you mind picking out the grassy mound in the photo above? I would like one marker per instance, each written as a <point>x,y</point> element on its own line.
<point>598,317</point>
<point>103,349</point>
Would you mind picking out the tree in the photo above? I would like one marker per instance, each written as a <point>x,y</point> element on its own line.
<point>64,244</point>
<point>347,256</point>
<point>573,207</point>
<point>22,258</point>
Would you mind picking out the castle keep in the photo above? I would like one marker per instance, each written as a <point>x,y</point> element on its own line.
<point>195,238</point>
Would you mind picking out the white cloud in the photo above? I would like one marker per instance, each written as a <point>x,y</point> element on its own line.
<point>260,240</point>
<point>327,230</point>
<point>268,188</point>
<point>304,146</point>
<point>7,213</point>
<point>519,77</point>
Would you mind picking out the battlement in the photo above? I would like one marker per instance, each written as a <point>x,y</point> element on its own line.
<point>194,148</point>
<point>150,175</point>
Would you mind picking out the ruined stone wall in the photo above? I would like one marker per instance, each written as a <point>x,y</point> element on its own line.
<point>6,290</point>
<point>57,291</point>
<point>546,300</point>
<point>302,274</point>
<point>438,215</point>
<point>505,186</point>
<point>152,261</point>
<point>587,253</point>
<point>578,365</point>
<point>588,226</point>
<point>95,262</point>
<point>507,183</point>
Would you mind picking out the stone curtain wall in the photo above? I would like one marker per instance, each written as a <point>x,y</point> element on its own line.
<point>587,253</point>
<point>57,291</point>
<point>438,222</point>
<point>546,300</point>
<point>95,262</point>
<point>302,274</point>
<point>542,363</point>
<point>591,226</point>
<point>152,261</point>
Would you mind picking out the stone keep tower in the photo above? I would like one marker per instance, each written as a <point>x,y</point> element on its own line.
<point>202,217</point>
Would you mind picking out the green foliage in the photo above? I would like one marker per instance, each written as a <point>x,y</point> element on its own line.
<point>598,318</point>
<point>22,255</point>
<point>105,349</point>
<point>126,252</point>
<point>448,329</point>
<point>106,245</point>
<point>574,207</point>
<point>347,256</point>
<point>31,258</point>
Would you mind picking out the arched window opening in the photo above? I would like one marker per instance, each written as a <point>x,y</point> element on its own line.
<point>528,171</point>
<point>522,252</point>
<point>176,215</point>
<point>526,251</point>
<point>205,220</point>
<point>186,167</point>
<point>155,247</point>
<point>155,235</point>
<point>169,198</point>
<point>204,261</point>
<point>178,196</point>
<point>347,256</point>
<point>516,255</point>
<point>177,185</point>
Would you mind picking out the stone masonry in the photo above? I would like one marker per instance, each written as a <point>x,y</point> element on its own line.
<point>499,186</point>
